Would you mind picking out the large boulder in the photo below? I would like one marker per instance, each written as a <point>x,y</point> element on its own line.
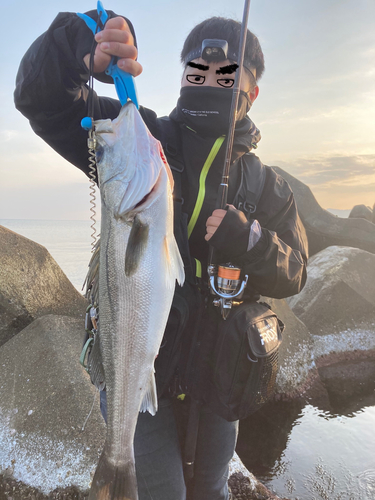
<point>324,229</point>
<point>45,399</point>
<point>31,285</point>
<point>296,362</point>
<point>361,212</point>
<point>338,301</point>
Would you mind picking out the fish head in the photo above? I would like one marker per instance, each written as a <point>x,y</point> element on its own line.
<point>132,170</point>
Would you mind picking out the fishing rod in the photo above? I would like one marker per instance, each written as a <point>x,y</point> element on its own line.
<point>224,280</point>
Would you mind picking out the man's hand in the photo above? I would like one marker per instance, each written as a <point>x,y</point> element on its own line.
<point>115,40</point>
<point>214,222</point>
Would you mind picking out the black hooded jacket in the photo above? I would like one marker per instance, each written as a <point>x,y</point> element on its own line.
<point>52,92</point>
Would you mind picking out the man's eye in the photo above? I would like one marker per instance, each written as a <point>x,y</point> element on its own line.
<point>196,79</point>
<point>226,82</point>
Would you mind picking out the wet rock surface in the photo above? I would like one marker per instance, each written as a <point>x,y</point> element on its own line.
<point>242,490</point>
<point>348,380</point>
<point>10,489</point>
<point>296,351</point>
<point>31,285</point>
<point>46,398</point>
<point>244,485</point>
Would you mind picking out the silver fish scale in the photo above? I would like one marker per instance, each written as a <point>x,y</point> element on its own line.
<point>128,353</point>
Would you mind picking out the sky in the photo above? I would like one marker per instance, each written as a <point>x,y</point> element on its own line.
<point>315,110</point>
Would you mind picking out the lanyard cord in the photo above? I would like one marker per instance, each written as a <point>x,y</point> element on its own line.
<point>91,146</point>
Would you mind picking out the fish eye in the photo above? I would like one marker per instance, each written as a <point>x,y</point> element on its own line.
<point>196,79</point>
<point>226,82</point>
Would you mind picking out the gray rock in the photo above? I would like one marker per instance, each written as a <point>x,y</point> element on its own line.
<point>244,485</point>
<point>31,285</point>
<point>296,360</point>
<point>349,381</point>
<point>324,229</point>
<point>338,301</point>
<point>361,212</point>
<point>45,399</point>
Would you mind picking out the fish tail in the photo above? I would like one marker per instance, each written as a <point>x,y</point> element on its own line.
<point>113,482</point>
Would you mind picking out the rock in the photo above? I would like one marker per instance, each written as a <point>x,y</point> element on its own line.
<point>338,301</point>
<point>361,212</point>
<point>45,399</point>
<point>349,382</point>
<point>324,229</point>
<point>31,285</point>
<point>244,485</point>
<point>296,363</point>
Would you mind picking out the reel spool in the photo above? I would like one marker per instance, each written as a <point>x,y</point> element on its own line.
<point>228,286</point>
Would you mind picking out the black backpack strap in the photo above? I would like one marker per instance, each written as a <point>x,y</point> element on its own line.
<point>253,177</point>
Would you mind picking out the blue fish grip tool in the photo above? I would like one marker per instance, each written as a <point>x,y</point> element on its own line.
<point>124,82</point>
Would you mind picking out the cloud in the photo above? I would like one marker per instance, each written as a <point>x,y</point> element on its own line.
<point>335,170</point>
<point>336,181</point>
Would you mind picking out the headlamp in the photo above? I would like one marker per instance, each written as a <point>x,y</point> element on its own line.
<point>215,50</point>
<point>212,49</point>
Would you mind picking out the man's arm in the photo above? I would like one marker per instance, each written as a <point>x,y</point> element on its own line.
<point>276,264</point>
<point>51,89</point>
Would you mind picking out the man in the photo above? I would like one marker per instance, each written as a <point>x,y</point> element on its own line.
<point>261,232</point>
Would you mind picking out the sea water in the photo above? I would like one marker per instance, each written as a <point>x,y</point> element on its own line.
<point>302,451</point>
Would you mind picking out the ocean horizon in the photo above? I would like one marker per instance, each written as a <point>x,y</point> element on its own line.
<point>69,241</point>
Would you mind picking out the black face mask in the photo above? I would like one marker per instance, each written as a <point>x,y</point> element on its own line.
<point>206,110</point>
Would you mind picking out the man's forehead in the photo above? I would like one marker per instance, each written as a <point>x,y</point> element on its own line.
<point>225,67</point>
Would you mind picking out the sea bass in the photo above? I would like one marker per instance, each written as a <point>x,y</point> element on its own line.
<point>139,265</point>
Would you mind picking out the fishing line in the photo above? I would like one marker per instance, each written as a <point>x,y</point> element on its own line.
<point>92,407</point>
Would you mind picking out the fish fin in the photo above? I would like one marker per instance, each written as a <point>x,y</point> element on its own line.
<point>92,276</point>
<point>150,400</point>
<point>114,483</point>
<point>137,244</point>
<point>174,260</point>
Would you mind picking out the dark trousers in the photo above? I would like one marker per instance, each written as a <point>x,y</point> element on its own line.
<point>158,457</point>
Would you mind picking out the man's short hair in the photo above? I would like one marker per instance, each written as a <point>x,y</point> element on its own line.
<point>229,30</point>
